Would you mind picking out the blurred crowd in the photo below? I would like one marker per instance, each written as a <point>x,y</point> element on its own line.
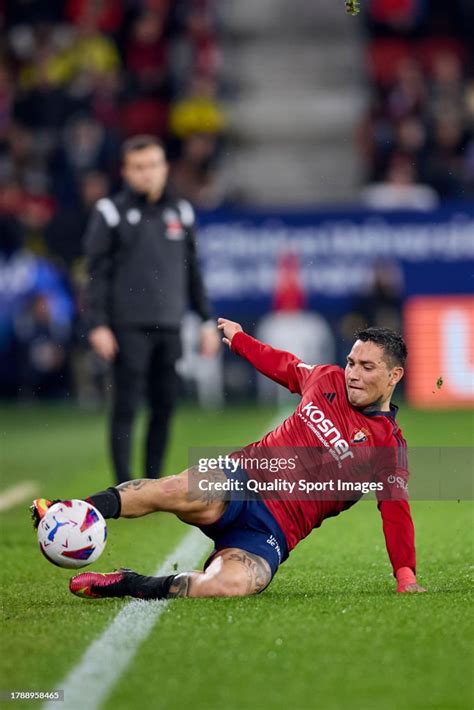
<point>79,76</point>
<point>417,141</point>
<point>76,78</point>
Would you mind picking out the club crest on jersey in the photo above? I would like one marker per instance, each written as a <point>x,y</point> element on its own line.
<point>359,436</point>
<point>174,228</point>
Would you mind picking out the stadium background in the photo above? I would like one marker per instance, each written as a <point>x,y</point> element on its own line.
<point>331,162</point>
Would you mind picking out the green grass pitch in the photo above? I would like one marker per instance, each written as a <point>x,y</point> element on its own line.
<point>329,633</point>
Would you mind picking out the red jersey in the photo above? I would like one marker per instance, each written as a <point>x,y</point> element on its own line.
<point>326,422</point>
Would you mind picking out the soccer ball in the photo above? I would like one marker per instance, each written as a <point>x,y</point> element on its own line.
<point>72,534</point>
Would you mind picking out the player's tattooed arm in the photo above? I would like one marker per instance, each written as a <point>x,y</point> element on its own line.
<point>257,570</point>
<point>181,586</point>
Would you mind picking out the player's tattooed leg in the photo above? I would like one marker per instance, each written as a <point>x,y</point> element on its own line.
<point>148,495</point>
<point>134,484</point>
<point>181,586</point>
<point>177,494</point>
<point>213,489</point>
<point>232,573</point>
<point>140,496</point>
<point>255,570</point>
<point>176,585</point>
<point>111,501</point>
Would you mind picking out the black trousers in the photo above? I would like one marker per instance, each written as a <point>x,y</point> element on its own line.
<point>144,367</point>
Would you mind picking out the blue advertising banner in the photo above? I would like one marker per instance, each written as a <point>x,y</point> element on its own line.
<point>336,252</point>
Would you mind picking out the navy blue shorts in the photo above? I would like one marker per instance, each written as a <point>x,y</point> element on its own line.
<point>250,526</point>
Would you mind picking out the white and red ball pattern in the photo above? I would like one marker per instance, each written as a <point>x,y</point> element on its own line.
<point>72,534</point>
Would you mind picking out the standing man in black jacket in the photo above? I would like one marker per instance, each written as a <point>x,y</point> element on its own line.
<point>143,272</point>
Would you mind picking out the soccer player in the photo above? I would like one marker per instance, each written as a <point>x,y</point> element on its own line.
<point>341,412</point>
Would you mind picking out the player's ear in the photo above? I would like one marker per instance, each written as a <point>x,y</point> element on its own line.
<point>396,375</point>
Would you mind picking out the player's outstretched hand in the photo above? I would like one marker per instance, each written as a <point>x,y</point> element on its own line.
<point>411,589</point>
<point>229,328</point>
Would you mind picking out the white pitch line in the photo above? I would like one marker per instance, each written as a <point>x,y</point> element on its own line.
<point>17,494</point>
<point>101,666</point>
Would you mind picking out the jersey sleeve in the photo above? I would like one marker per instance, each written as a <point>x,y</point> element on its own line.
<point>399,533</point>
<point>398,528</point>
<point>392,469</point>
<point>278,365</point>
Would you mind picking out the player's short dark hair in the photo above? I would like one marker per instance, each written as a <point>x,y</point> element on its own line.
<point>140,142</point>
<point>393,344</point>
